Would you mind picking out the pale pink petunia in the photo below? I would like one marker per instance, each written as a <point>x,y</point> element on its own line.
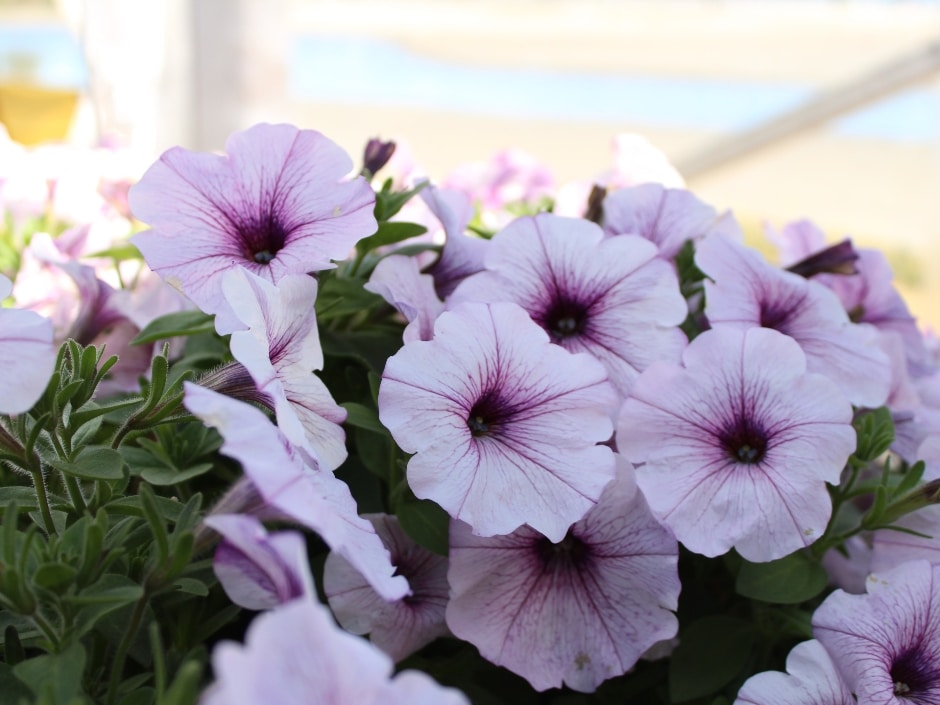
<point>461,254</point>
<point>744,291</point>
<point>503,424</point>
<point>296,655</point>
<point>403,626</point>
<point>277,204</point>
<point>27,355</point>
<point>289,480</point>
<point>738,443</point>
<point>849,571</point>
<point>666,217</point>
<point>258,570</point>
<point>280,349</point>
<point>578,611</point>
<point>886,644</point>
<point>612,298</point>
<point>811,679</point>
<point>398,280</point>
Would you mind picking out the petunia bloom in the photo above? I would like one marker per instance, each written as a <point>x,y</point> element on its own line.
<point>610,297</point>
<point>745,291</point>
<point>578,611</point>
<point>886,644</point>
<point>296,655</point>
<point>503,424</point>
<point>738,443</point>
<point>277,204</point>
<point>290,482</point>
<point>403,626</point>
<point>811,679</point>
<point>258,570</point>
<point>280,349</point>
<point>27,355</point>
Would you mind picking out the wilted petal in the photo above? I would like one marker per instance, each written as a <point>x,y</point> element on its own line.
<point>286,479</point>
<point>258,570</point>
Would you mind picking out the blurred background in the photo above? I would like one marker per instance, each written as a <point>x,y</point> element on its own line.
<point>828,110</point>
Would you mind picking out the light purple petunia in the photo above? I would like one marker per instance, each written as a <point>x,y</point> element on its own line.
<point>280,349</point>
<point>27,355</point>
<point>578,611</point>
<point>398,280</point>
<point>258,570</point>
<point>290,482</point>
<point>745,291</point>
<point>277,204</point>
<point>503,424</point>
<point>296,655</point>
<point>401,627</point>
<point>738,444</point>
<point>890,548</point>
<point>811,679</point>
<point>462,254</point>
<point>886,644</point>
<point>667,217</point>
<point>610,297</point>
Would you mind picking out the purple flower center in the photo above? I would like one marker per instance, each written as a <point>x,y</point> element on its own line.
<point>564,318</point>
<point>261,238</point>
<point>915,676</point>
<point>569,553</point>
<point>487,415</point>
<point>774,317</point>
<point>744,440</point>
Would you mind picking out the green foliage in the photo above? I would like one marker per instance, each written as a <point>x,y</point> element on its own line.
<point>789,580</point>
<point>712,652</point>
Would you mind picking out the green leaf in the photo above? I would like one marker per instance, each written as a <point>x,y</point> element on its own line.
<point>54,678</point>
<point>94,464</point>
<point>711,652</point>
<point>362,416</point>
<point>344,296</point>
<point>389,234</point>
<point>426,523</point>
<point>191,586</point>
<point>373,346</point>
<point>120,251</point>
<point>53,575</point>
<point>910,479</point>
<point>164,476</point>
<point>875,431</point>
<point>13,691</point>
<point>174,325</point>
<point>787,581</point>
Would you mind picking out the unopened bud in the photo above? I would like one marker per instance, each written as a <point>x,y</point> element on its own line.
<point>376,155</point>
<point>836,259</point>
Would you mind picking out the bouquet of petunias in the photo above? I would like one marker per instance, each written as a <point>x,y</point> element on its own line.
<point>485,441</point>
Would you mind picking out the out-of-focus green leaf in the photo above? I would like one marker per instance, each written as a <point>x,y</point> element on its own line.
<point>788,580</point>
<point>711,652</point>
<point>174,325</point>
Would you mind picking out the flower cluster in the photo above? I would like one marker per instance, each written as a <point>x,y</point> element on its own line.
<point>527,439</point>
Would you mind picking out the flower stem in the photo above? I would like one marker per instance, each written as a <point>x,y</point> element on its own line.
<point>43,500</point>
<point>117,667</point>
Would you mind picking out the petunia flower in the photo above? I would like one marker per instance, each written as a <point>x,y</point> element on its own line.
<point>666,217</point>
<point>277,204</point>
<point>610,297</point>
<point>280,349</point>
<point>738,443</point>
<point>886,644</point>
<point>745,291</point>
<point>290,482</point>
<point>296,655</point>
<point>462,254</point>
<point>503,424</point>
<point>398,280</point>
<point>27,355</point>
<point>891,548</point>
<point>258,570</point>
<point>811,679</point>
<point>578,611</point>
<point>403,626</point>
